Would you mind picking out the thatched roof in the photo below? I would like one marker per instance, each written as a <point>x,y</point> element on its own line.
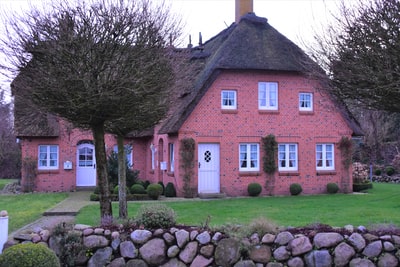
<point>251,44</point>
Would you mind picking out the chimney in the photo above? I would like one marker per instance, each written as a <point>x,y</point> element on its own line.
<point>242,7</point>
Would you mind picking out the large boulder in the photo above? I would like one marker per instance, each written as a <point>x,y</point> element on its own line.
<point>227,252</point>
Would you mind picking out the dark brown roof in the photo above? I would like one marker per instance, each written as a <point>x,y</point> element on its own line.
<point>251,44</point>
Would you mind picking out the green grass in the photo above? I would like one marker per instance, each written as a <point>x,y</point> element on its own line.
<point>25,208</point>
<point>3,182</point>
<point>380,206</point>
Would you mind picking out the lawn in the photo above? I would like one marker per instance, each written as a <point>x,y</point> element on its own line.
<point>380,205</point>
<point>25,208</point>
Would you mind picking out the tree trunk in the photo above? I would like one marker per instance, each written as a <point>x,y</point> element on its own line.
<point>101,171</point>
<point>123,208</point>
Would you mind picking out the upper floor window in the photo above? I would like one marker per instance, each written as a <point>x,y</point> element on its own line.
<point>48,157</point>
<point>249,155</point>
<point>305,102</point>
<point>171,157</point>
<point>268,95</point>
<point>228,99</point>
<point>325,157</point>
<point>287,157</point>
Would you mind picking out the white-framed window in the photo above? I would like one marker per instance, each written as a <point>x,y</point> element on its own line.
<point>249,157</point>
<point>171,157</point>
<point>287,157</point>
<point>325,157</point>
<point>153,156</point>
<point>128,153</point>
<point>268,95</point>
<point>305,101</point>
<point>228,99</point>
<point>48,157</point>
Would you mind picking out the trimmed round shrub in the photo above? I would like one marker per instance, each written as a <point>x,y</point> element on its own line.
<point>389,170</point>
<point>378,172</point>
<point>146,184</point>
<point>116,189</point>
<point>156,215</point>
<point>138,189</point>
<point>170,190</point>
<point>254,189</point>
<point>29,255</point>
<point>295,189</point>
<point>94,197</point>
<point>163,187</point>
<point>332,188</point>
<point>96,190</point>
<point>154,191</point>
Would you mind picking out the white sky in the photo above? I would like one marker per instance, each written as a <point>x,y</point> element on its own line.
<point>298,20</point>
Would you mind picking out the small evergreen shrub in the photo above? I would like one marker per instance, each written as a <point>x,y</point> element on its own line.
<point>170,190</point>
<point>154,191</point>
<point>389,170</point>
<point>29,255</point>
<point>156,216</point>
<point>378,172</point>
<point>70,243</point>
<point>295,189</point>
<point>96,190</point>
<point>116,190</point>
<point>138,189</point>
<point>94,197</point>
<point>332,188</point>
<point>254,189</point>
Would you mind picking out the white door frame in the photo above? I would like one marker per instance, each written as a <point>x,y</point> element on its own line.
<point>85,165</point>
<point>208,168</point>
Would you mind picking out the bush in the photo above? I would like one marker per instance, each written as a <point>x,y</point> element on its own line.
<point>154,191</point>
<point>96,190</point>
<point>116,190</point>
<point>112,169</point>
<point>29,255</point>
<point>389,170</point>
<point>146,184</point>
<point>254,189</point>
<point>295,189</point>
<point>138,189</point>
<point>332,188</point>
<point>94,197</point>
<point>156,216</point>
<point>170,190</point>
<point>163,187</point>
<point>378,172</point>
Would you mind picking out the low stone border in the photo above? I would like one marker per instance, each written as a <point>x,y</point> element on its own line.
<point>193,247</point>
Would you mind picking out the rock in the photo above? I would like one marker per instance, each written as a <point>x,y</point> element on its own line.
<point>318,258</point>
<point>140,236</point>
<point>327,240</point>
<point>295,262</point>
<point>357,262</point>
<point>136,263</point>
<point>207,251</point>
<point>189,252</point>
<point>284,238</point>
<point>115,235</point>
<point>81,227</point>
<point>388,260</point>
<point>245,263</point>
<point>182,237</point>
<point>154,251</point>
<point>357,241</point>
<point>268,239</point>
<point>98,231</point>
<point>158,232</point>
<point>396,240</point>
<point>281,253</point>
<point>204,238</point>
<point>343,254</point>
<point>173,263</point>
<point>95,241</point>
<point>227,252</point>
<point>127,250</point>
<point>373,249</point>
<point>170,239</point>
<point>388,246</point>
<point>45,235</point>
<point>349,228</point>
<point>193,234</point>
<point>300,245</point>
<point>55,244</point>
<point>173,251</point>
<point>217,236</point>
<point>370,237</point>
<point>115,244</point>
<point>101,257</point>
<point>87,231</point>
<point>118,262</point>
<point>201,261</point>
<point>261,253</point>
<point>81,259</point>
<point>254,239</point>
<point>36,238</point>
<point>274,264</point>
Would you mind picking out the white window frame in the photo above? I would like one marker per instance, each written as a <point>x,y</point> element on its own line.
<point>325,157</point>
<point>268,95</point>
<point>303,102</point>
<point>46,160</point>
<point>153,156</point>
<point>249,156</point>
<point>128,153</point>
<point>227,95</point>
<point>288,154</point>
<point>171,157</point>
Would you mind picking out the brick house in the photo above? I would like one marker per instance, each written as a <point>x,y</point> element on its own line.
<point>252,83</point>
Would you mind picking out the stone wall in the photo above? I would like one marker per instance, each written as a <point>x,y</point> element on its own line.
<point>193,247</point>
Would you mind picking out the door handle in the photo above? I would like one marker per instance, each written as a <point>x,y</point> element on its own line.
<point>199,165</point>
<point>94,166</point>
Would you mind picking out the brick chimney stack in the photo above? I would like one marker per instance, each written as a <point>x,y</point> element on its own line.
<point>242,7</point>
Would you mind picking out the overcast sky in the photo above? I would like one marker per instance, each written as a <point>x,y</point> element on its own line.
<point>298,20</point>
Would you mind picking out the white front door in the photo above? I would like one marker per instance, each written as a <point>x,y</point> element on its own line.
<point>208,168</point>
<point>86,165</point>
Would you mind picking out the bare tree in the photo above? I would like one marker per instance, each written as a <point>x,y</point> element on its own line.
<point>92,64</point>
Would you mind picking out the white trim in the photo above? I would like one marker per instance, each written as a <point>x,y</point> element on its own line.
<point>325,158</point>
<point>232,93</point>
<point>245,157</point>
<point>268,96</point>
<point>48,160</point>
<point>305,101</point>
<point>285,157</point>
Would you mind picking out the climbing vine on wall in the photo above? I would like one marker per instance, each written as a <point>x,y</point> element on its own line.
<point>270,147</point>
<point>346,150</point>
<point>187,148</point>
